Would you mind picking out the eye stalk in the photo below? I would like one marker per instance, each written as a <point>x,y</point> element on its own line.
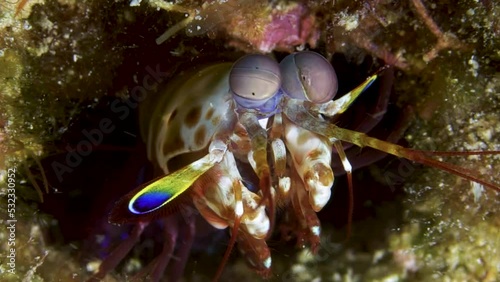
<point>254,81</point>
<point>308,76</point>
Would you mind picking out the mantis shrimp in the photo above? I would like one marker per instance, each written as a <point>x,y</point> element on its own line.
<point>273,117</point>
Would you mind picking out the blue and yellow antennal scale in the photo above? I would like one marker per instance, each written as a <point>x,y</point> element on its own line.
<point>348,98</point>
<point>164,190</point>
<point>340,105</point>
<point>162,196</point>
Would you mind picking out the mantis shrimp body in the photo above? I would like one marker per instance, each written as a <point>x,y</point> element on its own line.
<point>207,127</point>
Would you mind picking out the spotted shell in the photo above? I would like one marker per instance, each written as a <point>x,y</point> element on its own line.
<point>182,118</point>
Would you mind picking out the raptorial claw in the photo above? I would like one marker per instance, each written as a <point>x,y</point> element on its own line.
<point>257,254</point>
<point>311,155</point>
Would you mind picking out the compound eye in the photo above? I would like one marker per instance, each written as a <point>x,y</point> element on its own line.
<point>308,76</point>
<point>254,79</point>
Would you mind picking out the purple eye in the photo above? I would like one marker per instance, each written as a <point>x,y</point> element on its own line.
<point>254,80</point>
<point>308,76</point>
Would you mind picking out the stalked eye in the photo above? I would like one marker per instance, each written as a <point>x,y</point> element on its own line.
<point>254,80</point>
<point>308,76</point>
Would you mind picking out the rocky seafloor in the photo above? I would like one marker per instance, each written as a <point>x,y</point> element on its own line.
<point>64,62</point>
